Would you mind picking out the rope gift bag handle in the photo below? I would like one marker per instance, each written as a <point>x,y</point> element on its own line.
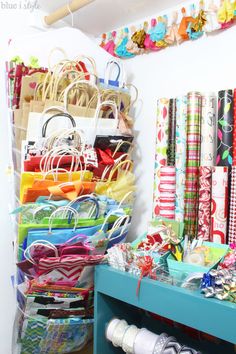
<point>63,76</point>
<point>54,172</point>
<point>91,61</point>
<point>126,196</point>
<point>64,210</point>
<point>132,102</point>
<point>80,82</point>
<point>113,171</point>
<point>53,76</point>
<point>53,50</point>
<point>43,243</point>
<point>42,207</point>
<point>117,225</point>
<point>56,140</point>
<point>120,144</point>
<point>97,117</point>
<point>87,198</point>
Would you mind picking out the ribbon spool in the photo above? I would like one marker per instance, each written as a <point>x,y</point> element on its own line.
<point>160,343</point>
<point>145,342</point>
<point>118,333</point>
<point>129,339</point>
<point>111,327</point>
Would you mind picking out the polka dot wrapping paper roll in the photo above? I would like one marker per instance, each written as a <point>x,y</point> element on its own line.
<point>171,133</point>
<point>234,131</point>
<point>219,204</point>
<point>194,101</point>
<point>161,149</point>
<point>232,214</point>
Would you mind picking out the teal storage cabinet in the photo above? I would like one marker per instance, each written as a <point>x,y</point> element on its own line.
<point>115,296</point>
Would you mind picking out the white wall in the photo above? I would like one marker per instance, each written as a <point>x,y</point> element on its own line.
<point>207,64</point>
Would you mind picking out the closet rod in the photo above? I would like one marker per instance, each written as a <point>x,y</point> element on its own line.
<point>64,11</point>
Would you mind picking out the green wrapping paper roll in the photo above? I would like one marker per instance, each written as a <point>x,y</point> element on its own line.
<point>171,133</point>
<point>192,162</point>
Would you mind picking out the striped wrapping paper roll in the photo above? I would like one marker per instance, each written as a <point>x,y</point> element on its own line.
<point>171,133</point>
<point>225,128</point>
<point>192,162</point>
<point>161,149</point>
<point>180,155</point>
<point>219,204</point>
<point>204,211</point>
<point>232,213</point>
<point>167,192</point>
<point>234,131</point>
<point>208,130</point>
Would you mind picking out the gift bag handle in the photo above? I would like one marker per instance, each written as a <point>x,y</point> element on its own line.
<point>86,198</point>
<point>116,226</point>
<point>78,82</point>
<point>117,167</point>
<point>97,113</point>
<point>62,209</point>
<point>66,115</point>
<point>42,207</point>
<point>44,243</point>
<point>110,67</point>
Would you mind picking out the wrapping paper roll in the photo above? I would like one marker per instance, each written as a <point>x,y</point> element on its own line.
<point>219,203</point>
<point>192,162</point>
<point>167,192</point>
<point>208,130</point>
<point>234,131</point>
<point>225,128</point>
<point>204,211</point>
<point>161,149</point>
<point>232,213</point>
<point>171,133</point>
<point>180,155</point>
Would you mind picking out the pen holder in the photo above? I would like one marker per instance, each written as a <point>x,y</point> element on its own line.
<point>180,270</point>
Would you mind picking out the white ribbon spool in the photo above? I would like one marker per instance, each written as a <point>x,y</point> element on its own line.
<point>129,339</point>
<point>118,333</point>
<point>145,342</point>
<point>111,327</point>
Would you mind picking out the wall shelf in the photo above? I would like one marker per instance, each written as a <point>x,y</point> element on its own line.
<point>115,289</point>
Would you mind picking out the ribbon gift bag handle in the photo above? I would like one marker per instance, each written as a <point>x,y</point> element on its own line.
<point>36,120</point>
<point>120,79</point>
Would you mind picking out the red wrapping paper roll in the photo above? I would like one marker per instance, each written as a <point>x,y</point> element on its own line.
<point>167,192</point>
<point>219,204</point>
